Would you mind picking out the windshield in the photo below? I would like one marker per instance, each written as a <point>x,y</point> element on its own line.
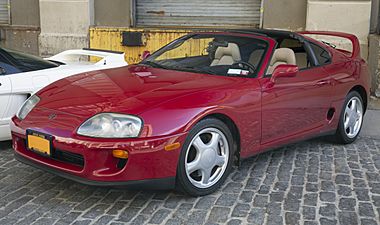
<point>26,62</point>
<point>217,54</point>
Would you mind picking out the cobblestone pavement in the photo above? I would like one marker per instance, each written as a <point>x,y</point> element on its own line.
<point>313,182</point>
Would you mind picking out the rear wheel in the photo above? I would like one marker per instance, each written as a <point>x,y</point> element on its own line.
<point>206,158</point>
<point>351,119</point>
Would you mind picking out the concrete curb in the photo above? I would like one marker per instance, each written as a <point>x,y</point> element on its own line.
<point>371,125</point>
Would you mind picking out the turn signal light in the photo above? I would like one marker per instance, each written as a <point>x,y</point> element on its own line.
<point>172,147</point>
<point>121,154</point>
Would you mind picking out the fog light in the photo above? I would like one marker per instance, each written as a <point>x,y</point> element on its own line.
<point>121,154</point>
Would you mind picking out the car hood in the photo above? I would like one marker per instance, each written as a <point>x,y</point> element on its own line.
<point>131,90</point>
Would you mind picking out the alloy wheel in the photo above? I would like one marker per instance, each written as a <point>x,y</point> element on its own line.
<point>207,157</point>
<point>353,117</point>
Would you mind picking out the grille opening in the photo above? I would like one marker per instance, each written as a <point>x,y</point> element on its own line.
<point>121,163</point>
<point>69,157</point>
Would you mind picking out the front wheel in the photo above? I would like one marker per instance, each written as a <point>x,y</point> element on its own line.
<point>351,119</point>
<point>206,158</point>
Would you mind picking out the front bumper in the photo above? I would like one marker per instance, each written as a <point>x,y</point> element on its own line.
<point>156,184</point>
<point>148,162</point>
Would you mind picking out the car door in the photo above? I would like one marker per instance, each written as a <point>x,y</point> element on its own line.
<point>296,107</point>
<point>5,93</point>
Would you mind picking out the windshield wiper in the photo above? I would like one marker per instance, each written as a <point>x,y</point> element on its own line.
<point>155,65</point>
<point>196,69</point>
<point>186,68</point>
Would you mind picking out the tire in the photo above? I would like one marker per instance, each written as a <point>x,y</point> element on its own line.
<point>202,155</point>
<point>349,126</point>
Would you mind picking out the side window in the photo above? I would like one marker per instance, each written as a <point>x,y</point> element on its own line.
<point>322,55</point>
<point>6,68</point>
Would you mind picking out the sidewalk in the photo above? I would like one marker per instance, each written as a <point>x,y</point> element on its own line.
<point>371,126</point>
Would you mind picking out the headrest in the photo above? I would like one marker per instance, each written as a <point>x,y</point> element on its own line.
<point>285,55</point>
<point>231,50</point>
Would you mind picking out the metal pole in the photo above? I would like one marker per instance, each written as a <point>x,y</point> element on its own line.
<point>375,9</point>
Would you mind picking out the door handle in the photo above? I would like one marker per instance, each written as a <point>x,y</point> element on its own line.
<point>323,82</point>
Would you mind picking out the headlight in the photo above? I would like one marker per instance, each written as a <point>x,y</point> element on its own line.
<point>28,105</point>
<point>111,125</point>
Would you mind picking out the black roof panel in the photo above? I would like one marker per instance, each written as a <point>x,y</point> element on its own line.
<point>269,33</point>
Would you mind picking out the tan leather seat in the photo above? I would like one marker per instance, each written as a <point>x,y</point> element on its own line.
<point>226,55</point>
<point>282,56</point>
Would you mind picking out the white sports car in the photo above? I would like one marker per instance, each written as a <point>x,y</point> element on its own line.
<point>22,74</point>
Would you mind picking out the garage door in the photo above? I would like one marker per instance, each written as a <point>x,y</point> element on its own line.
<point>4,12</point>
<point>198,13</point>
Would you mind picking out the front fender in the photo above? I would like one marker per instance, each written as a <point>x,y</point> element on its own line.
<point>177,117</point>
<point>242,106</point>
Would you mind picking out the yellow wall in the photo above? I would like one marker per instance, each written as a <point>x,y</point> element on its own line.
<point>111,39</point>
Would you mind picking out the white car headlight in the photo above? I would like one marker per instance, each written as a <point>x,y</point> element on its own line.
<point>111,125</point>
<point>28,105</point>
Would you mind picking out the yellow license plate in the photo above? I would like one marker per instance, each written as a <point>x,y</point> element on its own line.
<point>39,143</point>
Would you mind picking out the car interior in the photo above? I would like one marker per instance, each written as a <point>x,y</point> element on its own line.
<point>302,59</point>
<point>241,52</point>
<point>227,55</point>
<point>289,51</point>
<point>282,56</point>
<point>219,55</point>
<point>224,53</point>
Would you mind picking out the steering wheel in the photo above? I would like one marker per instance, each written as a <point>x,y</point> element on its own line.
<point>244,66</point>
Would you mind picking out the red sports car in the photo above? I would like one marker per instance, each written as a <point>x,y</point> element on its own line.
<point>190,111</point>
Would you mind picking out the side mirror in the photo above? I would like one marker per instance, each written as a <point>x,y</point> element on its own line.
<point>284,70</point>
<point>145,54</point>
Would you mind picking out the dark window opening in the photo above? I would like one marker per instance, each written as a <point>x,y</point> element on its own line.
<point>23,62</point>
<point>322,55</point>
